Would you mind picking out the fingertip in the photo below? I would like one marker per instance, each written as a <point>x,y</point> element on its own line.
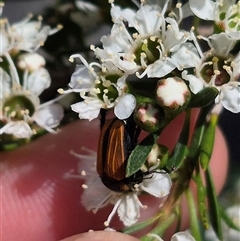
<point>101,236</point>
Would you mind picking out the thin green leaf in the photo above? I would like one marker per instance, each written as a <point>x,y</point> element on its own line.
<point>198,132</point>
<point>179,154</point>
<point>139,226</point>
<point>214,211</point>
<point>208,141</point>
<point>201,199</point>
<point>162,226</point>
<point>140,154</point>
<point>194,225</point>
<point>180,150</point>
<point>203,98</point>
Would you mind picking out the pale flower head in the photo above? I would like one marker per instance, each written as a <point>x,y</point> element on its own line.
<point>126,204</point>
<point>27,35</point>
<point>220,69</point>
<point>100,86</point>
<point>142,45</point>
<point>20,104</point>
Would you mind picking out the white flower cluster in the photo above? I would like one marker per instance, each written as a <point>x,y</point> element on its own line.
<point>23,78</point>
<point>148,43</point>
<point>144,45</point>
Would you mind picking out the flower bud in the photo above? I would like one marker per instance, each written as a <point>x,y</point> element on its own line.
<point>149,117</point>
<point>159,153</point>
<point>31,61</point>
<point>172,93</point>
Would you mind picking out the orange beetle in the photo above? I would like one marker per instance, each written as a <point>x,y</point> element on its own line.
<point>117,140</point>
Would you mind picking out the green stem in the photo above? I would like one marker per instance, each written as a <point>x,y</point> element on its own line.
<point>160,229</point>
<point>208,141</point>
<point>194,225</point>
<point>180,150</point>
<point>214,210</point>
<point>201,198</point>
<point>186,170</point>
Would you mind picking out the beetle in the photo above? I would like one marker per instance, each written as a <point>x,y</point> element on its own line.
<point>117,139</point>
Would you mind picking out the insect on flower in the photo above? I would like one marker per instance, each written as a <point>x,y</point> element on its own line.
<point>117,140</point>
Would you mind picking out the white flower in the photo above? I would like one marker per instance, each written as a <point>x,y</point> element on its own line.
<point>20,105</point>
<point>218,68</point>
<point>27,35</point>
<point>225,13</point>
<point>148,50</point>
<point>126,204</point>
<point>101,86</point>
<point>180,236</point>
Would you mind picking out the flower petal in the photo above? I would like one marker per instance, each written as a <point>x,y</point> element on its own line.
<point>186,56</point>
<point>20,129</point>
<point>195,84</point>
<point>160,68</point>
<point>129,209</point>
<point>145,25</point>
<point>157,184</point>
<point>204,9</point>
<point>87,109</point>
<point>182,236</point>
<point>49,116</point>
<point>81,79</point>
<point>117,41</point>
<point>230,97</point>
<point>96,195</point>
<point>217,41</point>
<point>125,106</point>
<point>127,14</point>
<point>173,36</point>
<point>38,81</point>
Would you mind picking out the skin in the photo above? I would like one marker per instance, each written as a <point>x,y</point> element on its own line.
<point>39,203</point>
